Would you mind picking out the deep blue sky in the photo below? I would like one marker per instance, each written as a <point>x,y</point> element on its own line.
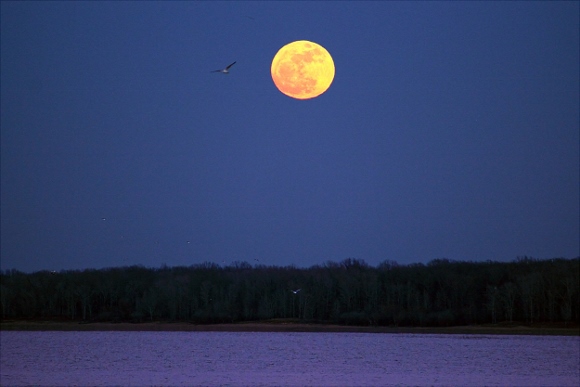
<point>451,130</point>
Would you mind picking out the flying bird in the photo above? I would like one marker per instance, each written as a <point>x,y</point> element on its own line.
<point>296,291</point>
<point>224,71</point>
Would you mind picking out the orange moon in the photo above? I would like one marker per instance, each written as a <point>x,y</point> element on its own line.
<point>302,69</point>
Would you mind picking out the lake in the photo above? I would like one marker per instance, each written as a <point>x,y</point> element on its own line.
<point>286,359</point>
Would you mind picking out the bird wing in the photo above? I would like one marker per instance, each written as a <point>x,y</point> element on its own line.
<point>227,68</point>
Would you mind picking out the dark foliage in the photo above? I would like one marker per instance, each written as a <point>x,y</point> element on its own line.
<point>441,293</point>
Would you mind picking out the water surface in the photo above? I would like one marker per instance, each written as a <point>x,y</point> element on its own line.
<point>286,359</point>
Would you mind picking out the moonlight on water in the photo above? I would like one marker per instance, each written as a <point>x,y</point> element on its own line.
<point>302,69</point>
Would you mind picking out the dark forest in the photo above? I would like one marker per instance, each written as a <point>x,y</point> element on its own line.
<point>440,293</point>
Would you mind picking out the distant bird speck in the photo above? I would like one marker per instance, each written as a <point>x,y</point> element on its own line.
<point>296,291</point>
<point>224,71</point>
<point>103,218</point>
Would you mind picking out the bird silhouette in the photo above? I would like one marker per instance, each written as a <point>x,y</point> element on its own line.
<point>296,291</point>
<point>224,71</point>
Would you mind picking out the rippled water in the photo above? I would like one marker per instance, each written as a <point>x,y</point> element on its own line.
<point>292,359</point>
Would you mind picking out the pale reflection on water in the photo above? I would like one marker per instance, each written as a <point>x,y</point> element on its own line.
<point>286,359</point>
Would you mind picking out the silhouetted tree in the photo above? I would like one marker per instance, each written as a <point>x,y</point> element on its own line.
<point>441,293</point>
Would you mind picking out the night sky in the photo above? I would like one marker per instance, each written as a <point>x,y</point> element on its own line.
<point>451,130</point>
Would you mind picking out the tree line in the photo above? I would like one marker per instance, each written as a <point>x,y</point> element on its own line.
<point>440,293</point>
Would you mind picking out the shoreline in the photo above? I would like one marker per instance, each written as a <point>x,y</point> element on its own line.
<point>265,326</point>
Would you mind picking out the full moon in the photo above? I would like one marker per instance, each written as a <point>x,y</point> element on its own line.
<point>302,69</point>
